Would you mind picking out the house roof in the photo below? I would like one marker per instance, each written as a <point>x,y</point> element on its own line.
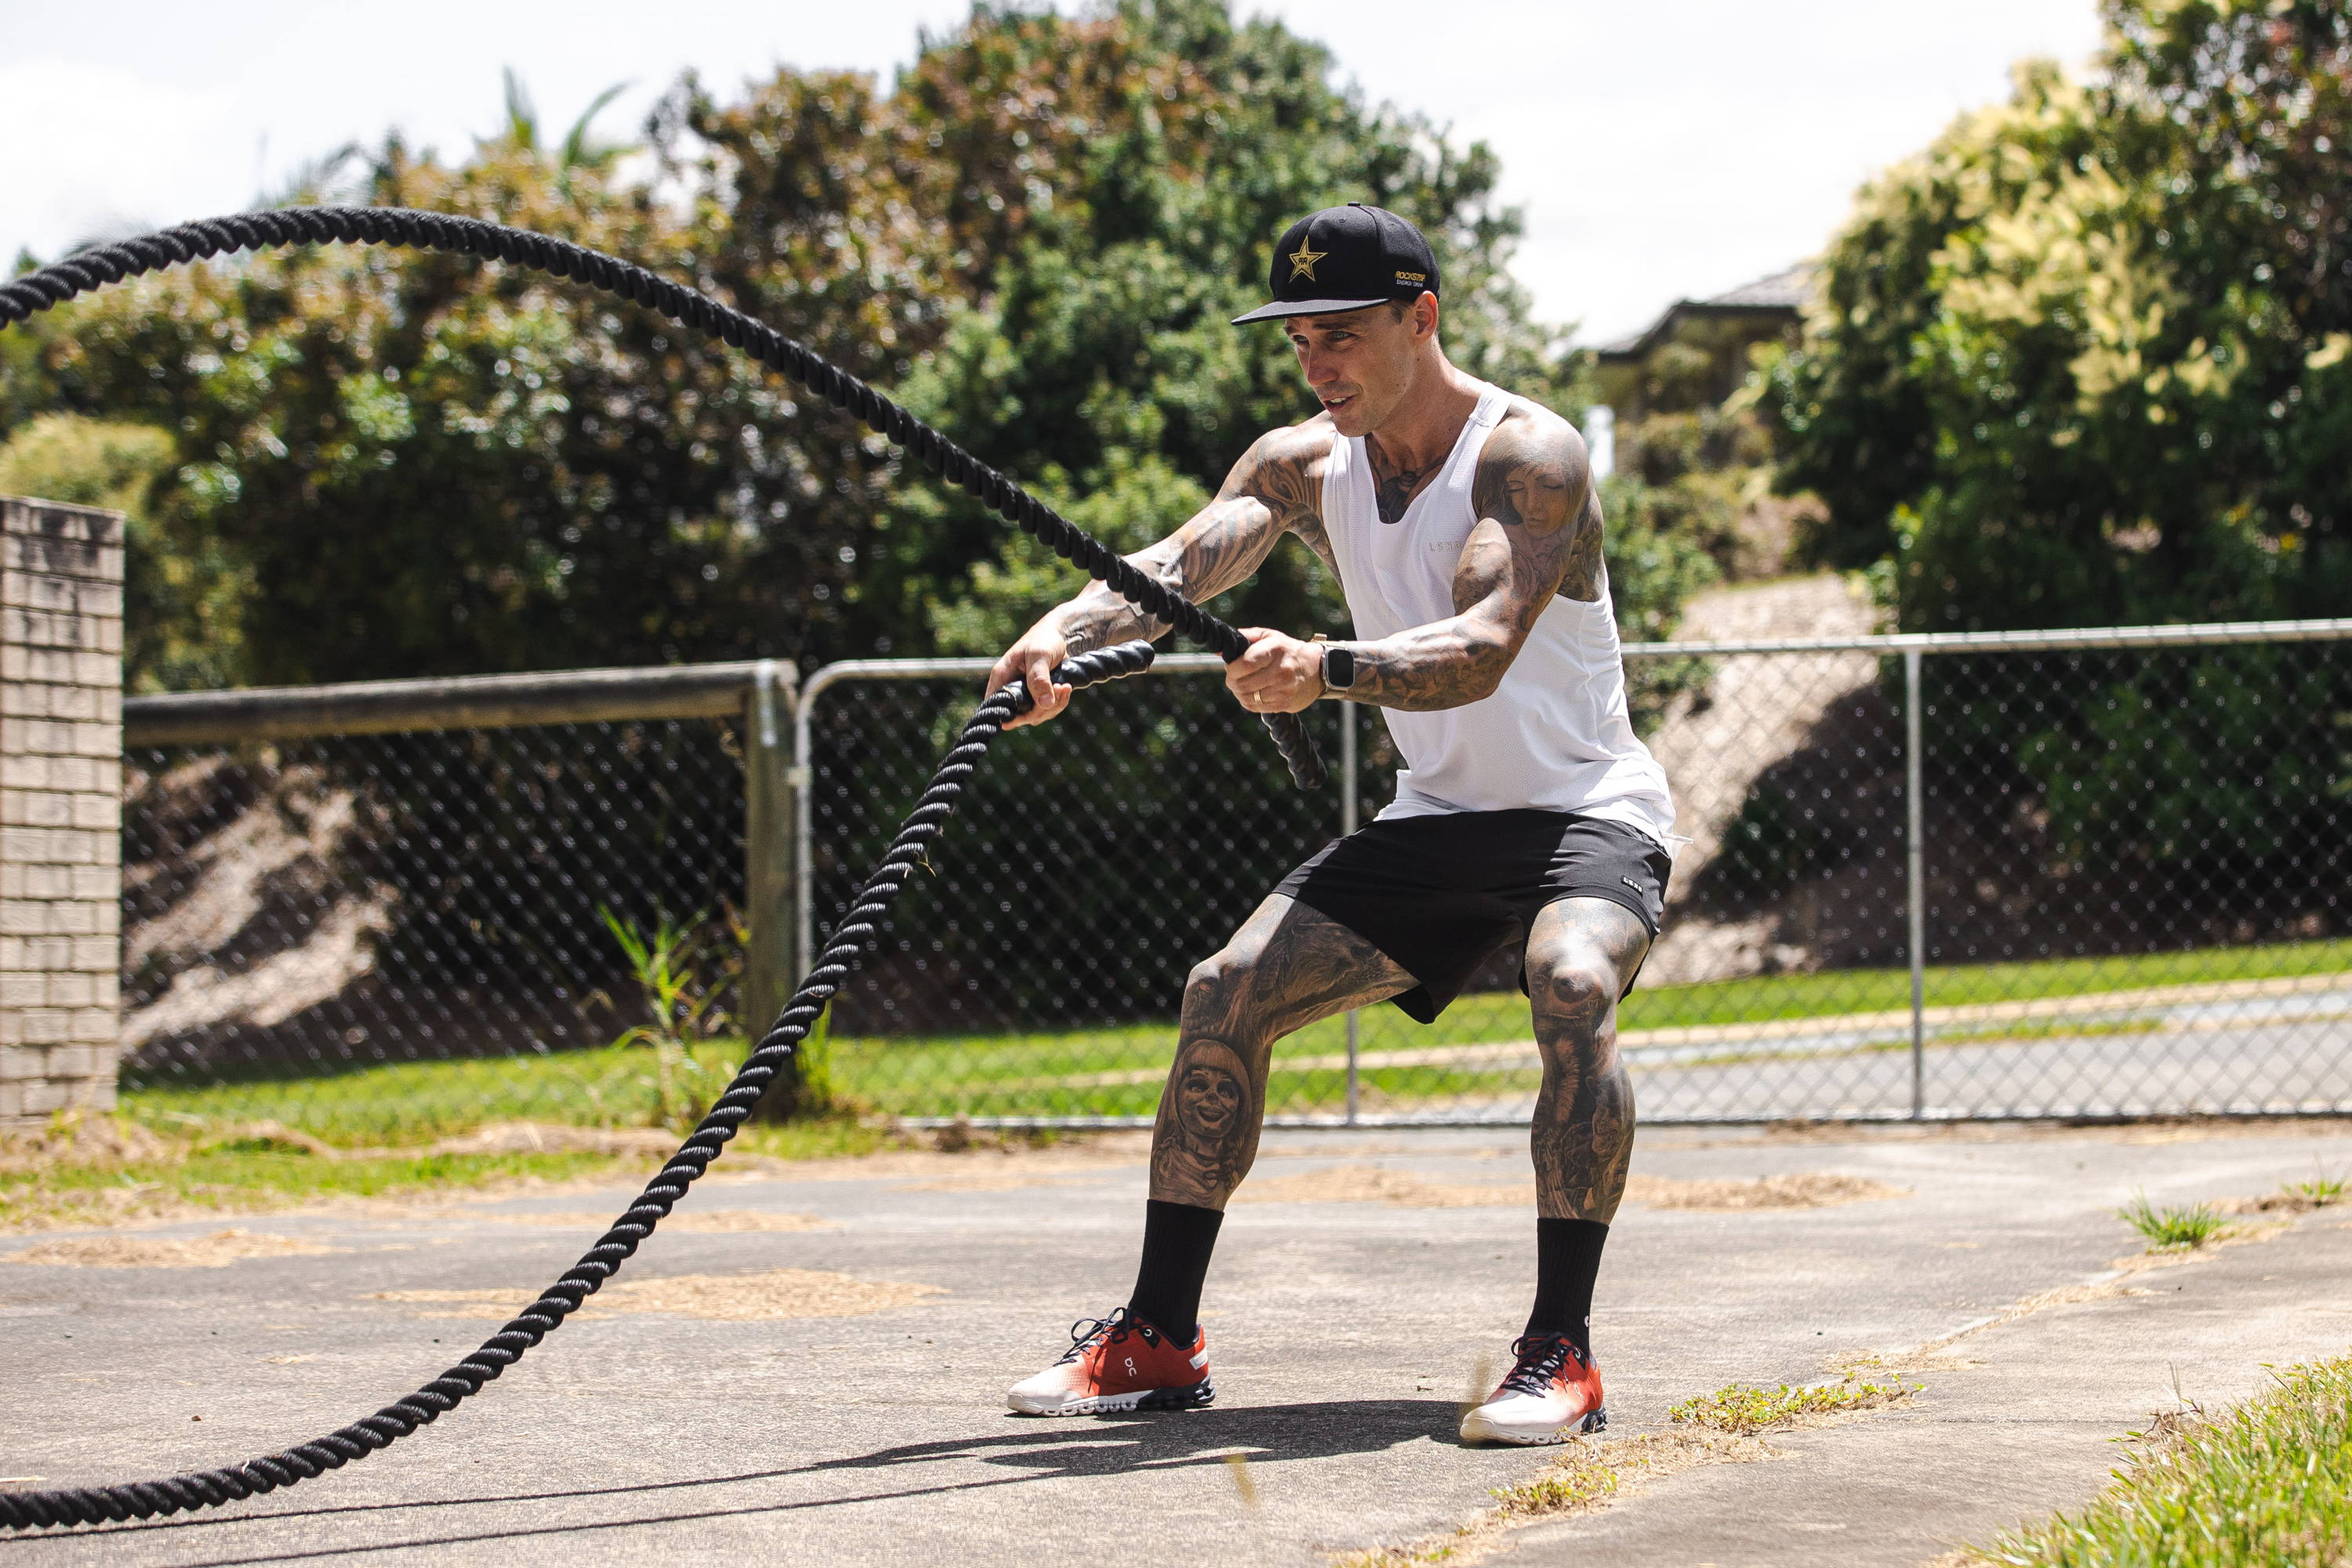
<point>1784,291</point>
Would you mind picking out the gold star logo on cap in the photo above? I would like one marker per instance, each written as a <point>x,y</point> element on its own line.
<point>1303,260</point>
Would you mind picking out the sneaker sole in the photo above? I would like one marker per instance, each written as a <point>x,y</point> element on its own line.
<point>1197,1396</point>
<point>1475,1431</point>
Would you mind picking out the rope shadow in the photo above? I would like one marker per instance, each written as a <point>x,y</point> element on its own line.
<point>1061,1451</point>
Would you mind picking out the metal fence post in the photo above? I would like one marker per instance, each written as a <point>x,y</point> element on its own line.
<point>771,871</point>
<point>1348,807</point>
<point>1915,876</point>
<point>804,845</point>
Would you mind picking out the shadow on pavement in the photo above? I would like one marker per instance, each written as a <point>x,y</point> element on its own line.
<point>1040,1449</point>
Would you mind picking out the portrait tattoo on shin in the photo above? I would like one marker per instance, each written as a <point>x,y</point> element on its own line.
<point>1208,1124</point>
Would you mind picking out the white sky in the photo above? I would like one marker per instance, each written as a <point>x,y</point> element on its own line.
<point>1660,150</point>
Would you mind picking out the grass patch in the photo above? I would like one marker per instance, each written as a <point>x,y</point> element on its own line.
<point>2319,1193</point>
<point>1744,1409</point>
<point>122,1172</point>
<point>113,1192</point>
<point>1010,1074</point>
<point>1557,1491</point>
<point>408,1102</point>
<point>1889,990</point>
<point>2269,1482</point>
<point>1583,1476</point>
<point>2172,1229</point>
<point>2294,1197</point>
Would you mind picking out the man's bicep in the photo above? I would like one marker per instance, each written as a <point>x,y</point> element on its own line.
<point>1507,575</point>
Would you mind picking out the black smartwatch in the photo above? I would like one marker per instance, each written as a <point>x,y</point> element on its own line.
<point>1339,667</point>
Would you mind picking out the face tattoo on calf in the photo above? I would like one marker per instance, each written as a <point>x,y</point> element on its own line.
<point>1206,1121</point>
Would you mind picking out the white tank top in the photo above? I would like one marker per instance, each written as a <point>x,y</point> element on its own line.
<point>1555,735</point>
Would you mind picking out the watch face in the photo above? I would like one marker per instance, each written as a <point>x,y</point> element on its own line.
<point>1339,667</point>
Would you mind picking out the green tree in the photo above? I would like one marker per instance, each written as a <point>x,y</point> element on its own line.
<point>430,467</point>
<point>183,596</point>
<point>2087,360</point>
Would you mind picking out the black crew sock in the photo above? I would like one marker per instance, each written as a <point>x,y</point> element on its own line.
<point>1177,1241</point>
<point>1568,1259</point>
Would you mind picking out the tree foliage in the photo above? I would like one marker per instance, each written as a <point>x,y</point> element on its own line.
<point>2088,361</point>
<point>406,465</point>
<point>183,619</point>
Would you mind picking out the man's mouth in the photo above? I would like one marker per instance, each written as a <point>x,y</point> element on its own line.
<point>1334,405</point>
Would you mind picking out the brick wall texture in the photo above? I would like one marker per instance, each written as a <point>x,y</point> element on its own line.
<point>60,806</point>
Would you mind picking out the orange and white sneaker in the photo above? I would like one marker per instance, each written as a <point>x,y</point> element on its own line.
<point>1553,1394</point>
<point>1119,1363</point>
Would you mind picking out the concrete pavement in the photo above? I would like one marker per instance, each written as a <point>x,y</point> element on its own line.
<point>1342,1335</point>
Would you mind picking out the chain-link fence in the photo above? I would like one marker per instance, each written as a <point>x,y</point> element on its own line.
<point>393,932</point>
<point>2074,874</point>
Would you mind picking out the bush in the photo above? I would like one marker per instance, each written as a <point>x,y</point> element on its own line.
<point>2087,360</point>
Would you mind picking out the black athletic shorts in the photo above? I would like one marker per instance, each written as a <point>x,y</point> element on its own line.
<point>1443,894</point>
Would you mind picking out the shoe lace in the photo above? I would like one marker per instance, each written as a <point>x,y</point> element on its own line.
<point>1115,1326</point>
<point>1538,1358</point>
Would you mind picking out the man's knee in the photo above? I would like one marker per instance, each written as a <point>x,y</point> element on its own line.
<point>1576,989</point>
<point>1223,976</point>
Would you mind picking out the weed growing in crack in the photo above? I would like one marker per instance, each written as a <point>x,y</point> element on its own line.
<point>1744,1409</point>
<point>2172,1229</point>
<point>1557,1491</point>
<point>2318,1193</point>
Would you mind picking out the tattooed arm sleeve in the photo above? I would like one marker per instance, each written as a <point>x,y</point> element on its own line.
<point>1274,489</point>
<point>1538,533</point>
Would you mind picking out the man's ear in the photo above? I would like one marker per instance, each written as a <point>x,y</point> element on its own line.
<point>1425,316</point>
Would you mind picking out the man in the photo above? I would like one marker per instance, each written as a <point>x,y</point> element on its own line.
<point>1461,521</point>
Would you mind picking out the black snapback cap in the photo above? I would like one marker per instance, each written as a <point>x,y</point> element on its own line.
<point>1344,258</point>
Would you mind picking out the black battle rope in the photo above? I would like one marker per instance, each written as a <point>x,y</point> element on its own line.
<point>90,269</point>
<point>208,1489</point>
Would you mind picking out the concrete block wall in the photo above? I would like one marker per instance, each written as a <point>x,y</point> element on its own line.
<point>60,806</point>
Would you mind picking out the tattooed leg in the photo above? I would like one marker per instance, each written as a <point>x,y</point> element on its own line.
<point>1580,956</point>
<point>1285,968</point>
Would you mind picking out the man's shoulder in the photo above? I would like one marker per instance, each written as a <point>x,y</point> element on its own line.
<point>1529,431</point>
<point>1284,468</point>
<point>1534,474</point>
<point>1308,441</point>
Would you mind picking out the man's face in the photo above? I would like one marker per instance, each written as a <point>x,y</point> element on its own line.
<point>1361,363</point>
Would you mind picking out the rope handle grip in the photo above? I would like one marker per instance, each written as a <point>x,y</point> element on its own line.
<point>1115,662</point>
